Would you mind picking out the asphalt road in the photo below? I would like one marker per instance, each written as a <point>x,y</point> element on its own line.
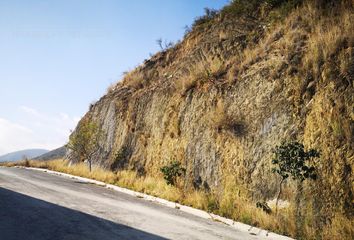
<point>38,206</point>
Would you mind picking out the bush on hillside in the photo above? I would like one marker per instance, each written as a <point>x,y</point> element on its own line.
<point>292,160</point>
<point>172,171</point>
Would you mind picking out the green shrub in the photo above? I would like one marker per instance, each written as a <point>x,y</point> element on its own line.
<point>292,160</point>
<point>172,171</point>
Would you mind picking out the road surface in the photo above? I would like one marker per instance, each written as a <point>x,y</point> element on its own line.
<point>36,205</point>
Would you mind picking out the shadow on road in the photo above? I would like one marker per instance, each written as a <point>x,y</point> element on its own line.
<point>25,217</point>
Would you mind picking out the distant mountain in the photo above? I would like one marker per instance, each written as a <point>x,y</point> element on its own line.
<point>19,155</point>
<point>54,154</point>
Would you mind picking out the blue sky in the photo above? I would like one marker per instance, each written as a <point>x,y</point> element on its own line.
<point>58,56</point>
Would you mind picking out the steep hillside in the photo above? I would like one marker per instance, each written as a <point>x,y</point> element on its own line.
<point>240,82</point>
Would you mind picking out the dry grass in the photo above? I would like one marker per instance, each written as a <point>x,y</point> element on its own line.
<point>151,185</point>
<point>340,228</point>
<point>218,117</point>
<point>220,120</point>
<point>324,35</point>
<point>329,35</point>
<point>134,79</point>
<point>112,87</point>
<point>233,73</point>
<point>198,199</point>
<point>185,84</point>
<point>79,169</point>
<point>252,55</point>
<point>207,71</point>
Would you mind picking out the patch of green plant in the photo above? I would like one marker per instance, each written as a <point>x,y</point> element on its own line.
<point>172,171</point>
<point>291,160</point>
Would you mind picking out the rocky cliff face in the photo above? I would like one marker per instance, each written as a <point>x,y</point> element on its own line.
<point>233,89</point>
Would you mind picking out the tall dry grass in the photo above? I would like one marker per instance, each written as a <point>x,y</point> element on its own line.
<point>325,32</point>
<point>329,35</point>
<point>339,228</point>
<point>134,79</point>
<point>205,71</point>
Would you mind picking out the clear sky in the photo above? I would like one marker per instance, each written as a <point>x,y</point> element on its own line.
<point>58,56</point>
